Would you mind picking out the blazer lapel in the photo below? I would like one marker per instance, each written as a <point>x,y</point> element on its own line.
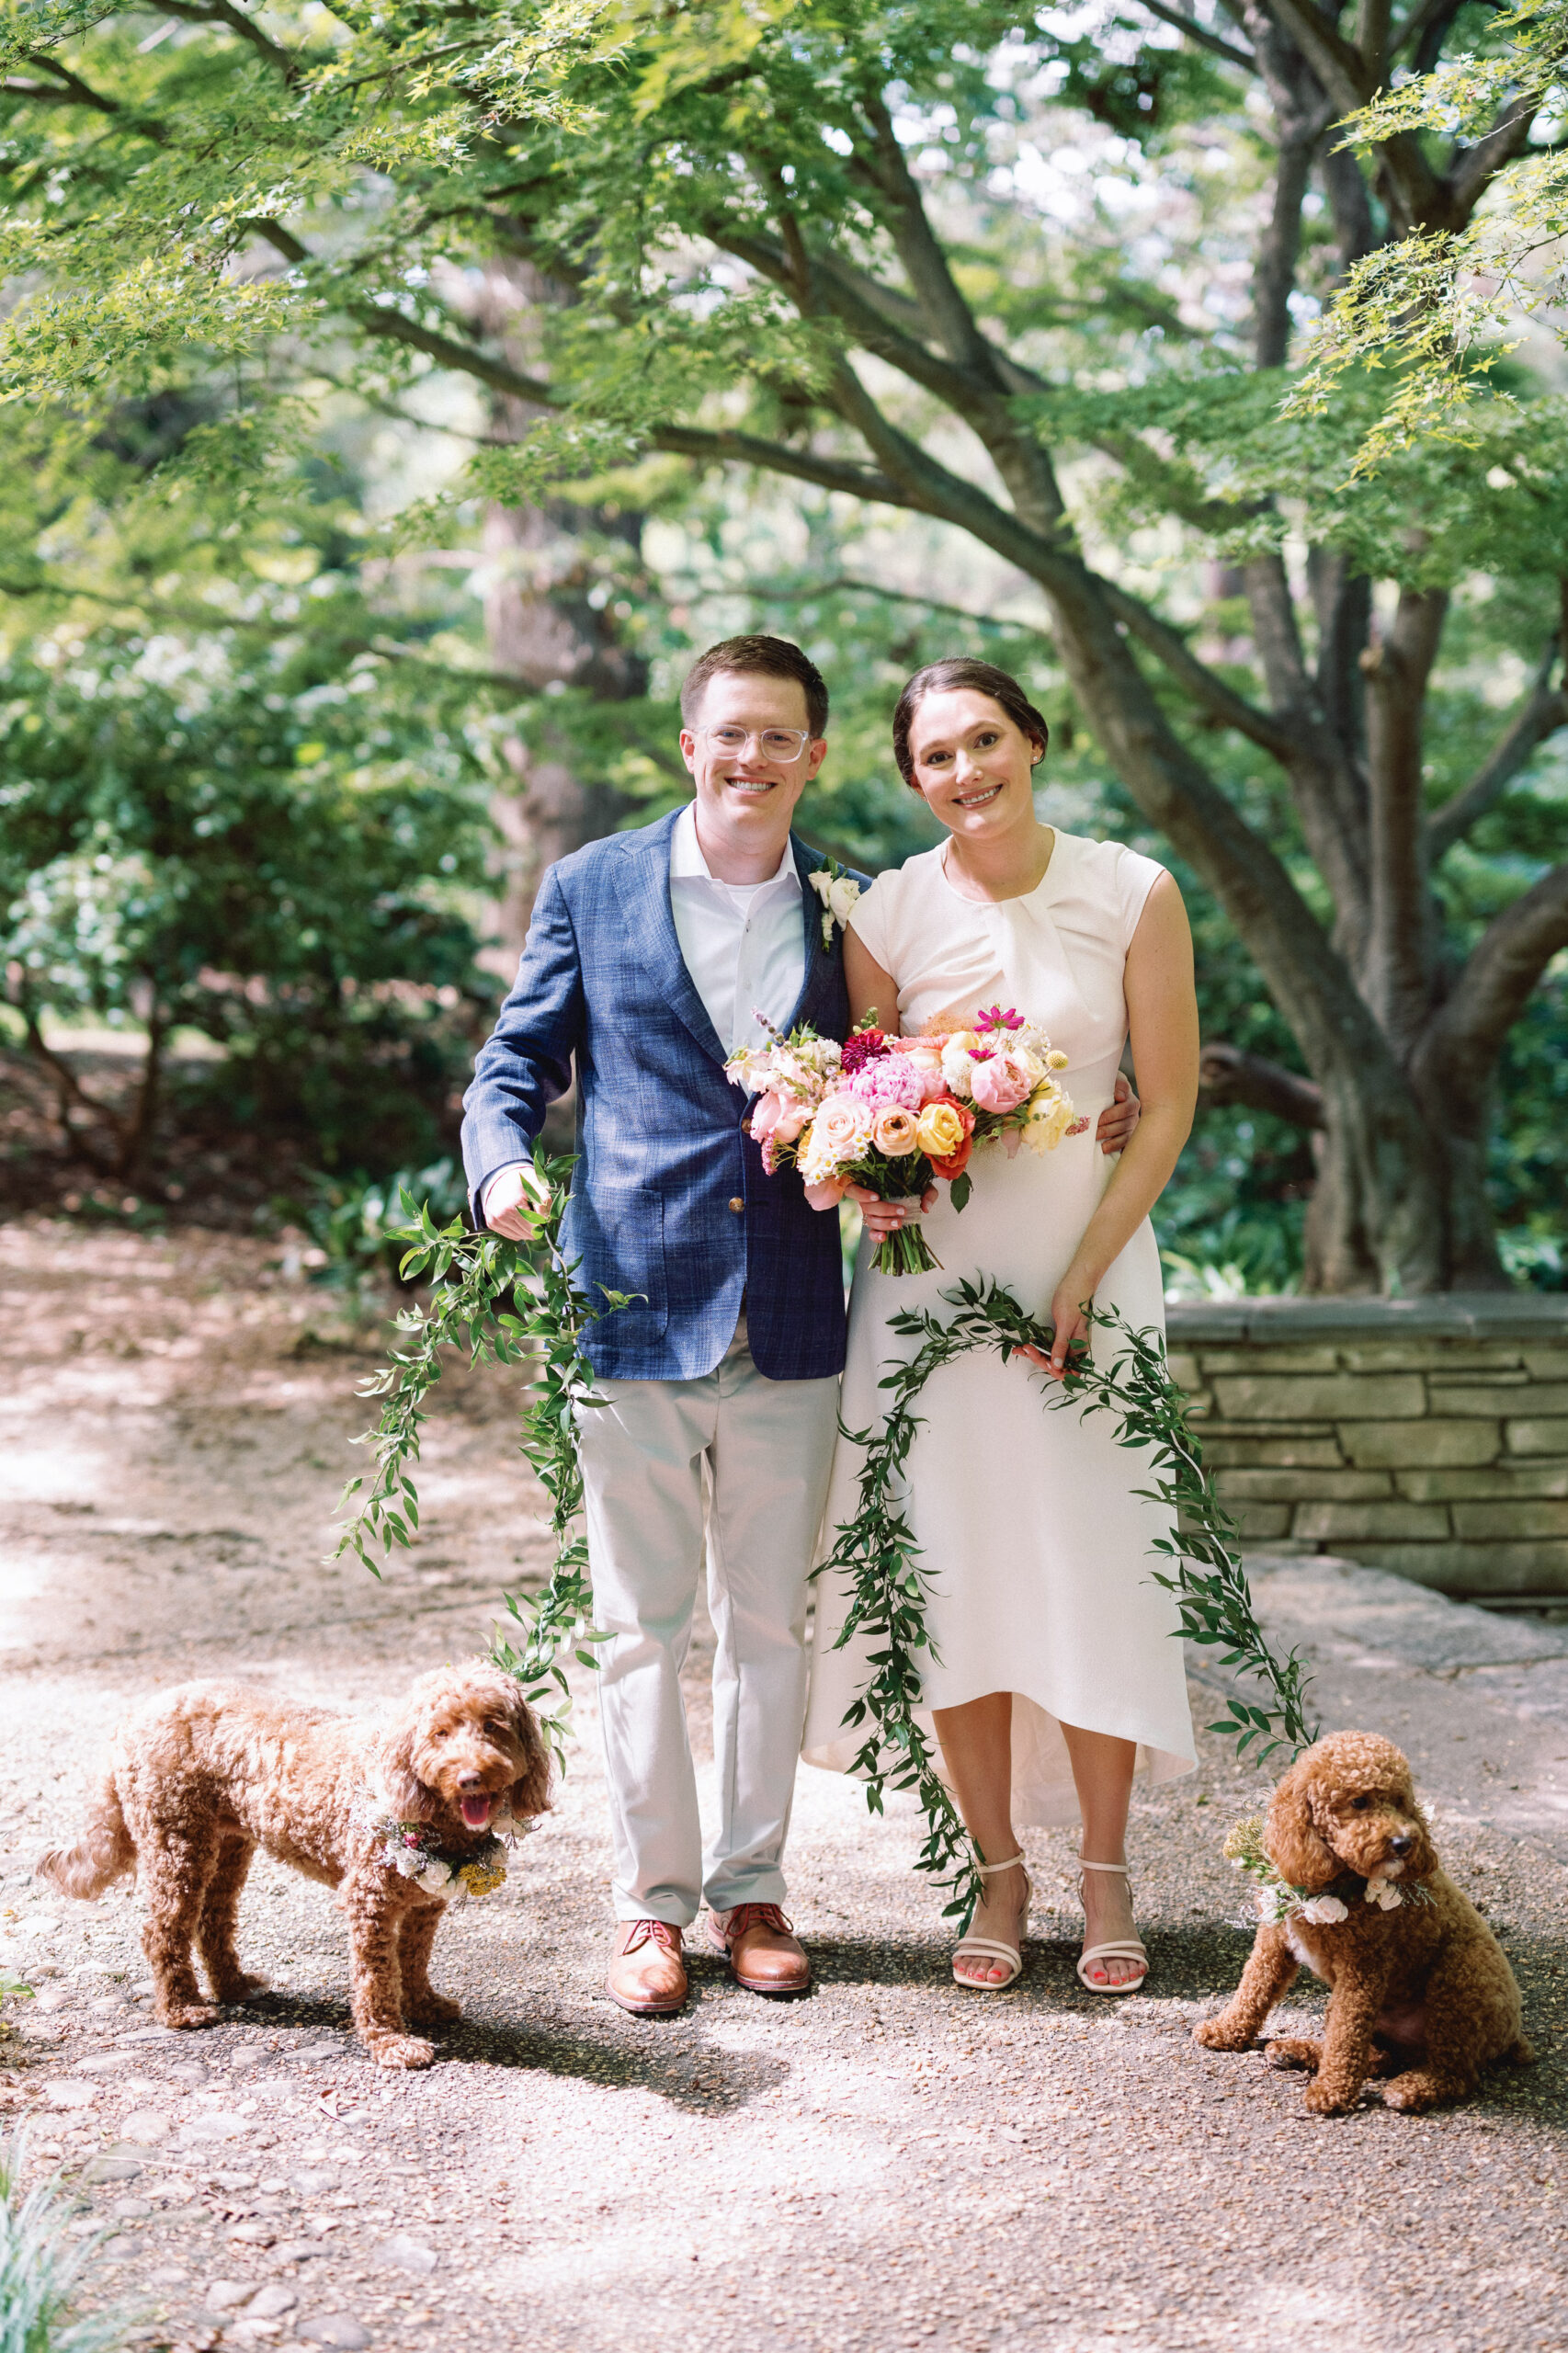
<point>647,917</point>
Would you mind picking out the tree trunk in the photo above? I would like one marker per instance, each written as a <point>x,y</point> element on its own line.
<point>549,621</point>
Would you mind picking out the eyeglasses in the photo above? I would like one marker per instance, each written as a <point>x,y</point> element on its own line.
<point>780,744</point>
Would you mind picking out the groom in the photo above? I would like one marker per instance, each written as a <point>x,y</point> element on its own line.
<point>647,960</point>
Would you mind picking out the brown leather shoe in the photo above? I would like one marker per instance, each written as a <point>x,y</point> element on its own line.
<point>764,1956</point>
<point>647,1972</point>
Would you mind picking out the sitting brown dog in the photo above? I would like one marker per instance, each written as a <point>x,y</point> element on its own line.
<point>397,1816</point>
<point>1355,1895</point>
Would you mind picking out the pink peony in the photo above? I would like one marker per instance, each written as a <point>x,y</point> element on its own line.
<point>922,1055</point>
<point>999,1082</point>
<point>892,1079</point>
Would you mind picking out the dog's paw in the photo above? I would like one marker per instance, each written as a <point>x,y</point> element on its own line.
<point>1215,2035</point>
<point>241,1988</point>
<point>1330,2099</point>
<point>187,2016</point>
<point>1417,2089</point>
<point>1292,2051</point>
<point>401,2049</point>
<point>433,2009</point>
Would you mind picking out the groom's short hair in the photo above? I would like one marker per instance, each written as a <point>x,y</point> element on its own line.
<point>762,657</point>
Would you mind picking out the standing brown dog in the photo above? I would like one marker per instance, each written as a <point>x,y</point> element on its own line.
<point>201,1776</point>
<point>1364,1903</point>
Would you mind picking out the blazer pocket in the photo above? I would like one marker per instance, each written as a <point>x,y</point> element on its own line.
<point>618,1232</point>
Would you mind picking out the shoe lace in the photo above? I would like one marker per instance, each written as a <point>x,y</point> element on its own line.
<point>757,1915</point>
<point>655,1932</point>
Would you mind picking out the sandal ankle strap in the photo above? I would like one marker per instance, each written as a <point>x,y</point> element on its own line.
<point>987,1869</point>
<point>1084,1865</point>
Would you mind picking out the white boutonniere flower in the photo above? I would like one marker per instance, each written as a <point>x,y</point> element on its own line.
<point>838,893</point>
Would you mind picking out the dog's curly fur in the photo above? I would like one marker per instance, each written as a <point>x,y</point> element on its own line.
<point>1429,1981</point>
<point>201,1776</point>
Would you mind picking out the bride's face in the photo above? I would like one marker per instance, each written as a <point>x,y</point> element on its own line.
<point>973,764</point>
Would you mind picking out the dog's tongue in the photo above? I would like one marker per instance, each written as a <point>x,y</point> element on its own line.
<point>476,1811</point>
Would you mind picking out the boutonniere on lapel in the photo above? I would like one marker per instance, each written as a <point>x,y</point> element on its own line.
<point>839,892</point>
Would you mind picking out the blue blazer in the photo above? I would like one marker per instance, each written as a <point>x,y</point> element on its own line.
<point>662,1154</point>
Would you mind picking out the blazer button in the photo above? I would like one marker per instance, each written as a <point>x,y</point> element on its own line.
<point>737,1205</point>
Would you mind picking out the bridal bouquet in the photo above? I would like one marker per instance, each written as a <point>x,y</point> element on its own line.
<point>893,1114</point>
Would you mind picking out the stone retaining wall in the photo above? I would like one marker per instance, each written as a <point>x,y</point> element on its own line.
<point>1426,1435</point>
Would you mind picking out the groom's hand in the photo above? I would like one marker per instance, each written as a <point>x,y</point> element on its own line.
<point>515,1200</point>
<point>1117,1120</point>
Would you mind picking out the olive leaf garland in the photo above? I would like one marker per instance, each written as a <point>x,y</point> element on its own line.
<point>876,1552</point>
<point>473,1275</point>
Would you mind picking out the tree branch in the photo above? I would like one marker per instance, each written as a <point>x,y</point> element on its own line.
<point>778,457</point>
<point>1171,650</point>
<point>1230,1075</point>
<point>70,92</point>
<point>219,12</point>
<point>1214,42</point>
<point>1544,710</point>
<point>1459,1045</point>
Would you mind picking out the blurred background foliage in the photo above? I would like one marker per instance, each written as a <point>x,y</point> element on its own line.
<point>260,753</point>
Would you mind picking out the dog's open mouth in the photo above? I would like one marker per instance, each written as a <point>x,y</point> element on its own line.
<point>477,1809</point>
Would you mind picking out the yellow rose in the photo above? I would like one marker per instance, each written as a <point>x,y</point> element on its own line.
<point>940,1131</point>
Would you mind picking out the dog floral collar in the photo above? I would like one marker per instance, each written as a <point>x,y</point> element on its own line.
<point>838,893</point>
<point>1277,1900</point>
<point>415,1851</point>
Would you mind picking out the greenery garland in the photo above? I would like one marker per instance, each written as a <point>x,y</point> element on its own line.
<point>877,1554</point>
<point>472,1274</point>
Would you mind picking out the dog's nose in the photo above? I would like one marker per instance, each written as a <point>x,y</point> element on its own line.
<point>472,1781</point>
<point>1403,1844</point>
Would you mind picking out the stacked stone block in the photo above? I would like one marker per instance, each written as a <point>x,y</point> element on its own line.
<point>1426,1435</point>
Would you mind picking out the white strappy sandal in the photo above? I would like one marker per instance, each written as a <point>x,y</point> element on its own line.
<point>987,1948</point>
<point>1119,1948</point>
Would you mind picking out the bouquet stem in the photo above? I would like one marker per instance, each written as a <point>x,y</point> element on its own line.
<point>907,1252</point>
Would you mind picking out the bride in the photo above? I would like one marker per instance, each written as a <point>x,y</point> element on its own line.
<point>1055,1680</point>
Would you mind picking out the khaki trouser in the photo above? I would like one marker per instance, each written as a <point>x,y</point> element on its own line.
<point>735,1467</point>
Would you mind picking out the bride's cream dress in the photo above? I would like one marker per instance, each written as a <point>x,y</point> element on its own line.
<point>1027,1518</point>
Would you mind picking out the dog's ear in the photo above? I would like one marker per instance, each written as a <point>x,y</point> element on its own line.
<point>531,1791</point>
<point>1291,1837</point>
<point>410,1798</point>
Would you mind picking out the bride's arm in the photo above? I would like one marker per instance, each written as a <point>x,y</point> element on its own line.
<point>1161,1010</point>
<point>871,991</point>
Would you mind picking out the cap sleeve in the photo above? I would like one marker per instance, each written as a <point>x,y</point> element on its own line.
<point>872,923</point>
<point>1135,877</point>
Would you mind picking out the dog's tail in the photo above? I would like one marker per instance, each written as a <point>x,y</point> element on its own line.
<point>105,1852</point>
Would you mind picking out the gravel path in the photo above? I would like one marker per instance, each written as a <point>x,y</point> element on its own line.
<point>893,2163</point>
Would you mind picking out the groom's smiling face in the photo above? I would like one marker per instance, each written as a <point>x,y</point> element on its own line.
<point>749,786</point>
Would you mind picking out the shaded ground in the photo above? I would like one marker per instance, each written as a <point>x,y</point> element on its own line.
<point>893,2162</point>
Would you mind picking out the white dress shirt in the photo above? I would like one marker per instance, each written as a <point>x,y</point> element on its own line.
<point>744,943</point>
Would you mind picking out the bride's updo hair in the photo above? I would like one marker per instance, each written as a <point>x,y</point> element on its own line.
<point>947,677</point>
